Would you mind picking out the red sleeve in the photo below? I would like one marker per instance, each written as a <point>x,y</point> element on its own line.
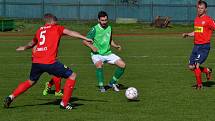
<point>34,39</point>
<point>60,29</point>
<point>211,23</point>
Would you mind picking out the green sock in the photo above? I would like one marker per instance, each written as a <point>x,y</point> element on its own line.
<point>118,73</point>
<point>100,76</point>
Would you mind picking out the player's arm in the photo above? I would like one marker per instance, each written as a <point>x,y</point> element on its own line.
<point>211,24</point>
<point>29,45</point>
<point>90,45</point>
<point>191,34</point>
<point>113,44</point>
<point>76,34</point>
<point>91,35</point>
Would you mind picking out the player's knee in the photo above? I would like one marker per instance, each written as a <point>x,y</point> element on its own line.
<point>99,64</point>
<point>31,82</point>
<point>191,67</point>
<point>73,76</point>
<point>121,63</point>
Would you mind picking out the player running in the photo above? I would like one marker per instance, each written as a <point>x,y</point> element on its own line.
<point>203,29</point>
<point>101,34</point>
<point>44,54</point>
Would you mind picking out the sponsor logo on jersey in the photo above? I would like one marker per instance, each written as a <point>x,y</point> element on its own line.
<point>198,29</point>
<point>41,49</point>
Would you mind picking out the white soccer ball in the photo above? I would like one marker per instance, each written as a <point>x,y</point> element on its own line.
<point>131,93</point>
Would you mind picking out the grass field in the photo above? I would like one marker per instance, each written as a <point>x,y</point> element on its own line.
<point>156,66</point>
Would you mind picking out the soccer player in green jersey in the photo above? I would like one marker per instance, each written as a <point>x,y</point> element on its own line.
<point>101,34</point>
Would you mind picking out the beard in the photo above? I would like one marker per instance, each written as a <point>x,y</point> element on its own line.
<point>103,25</point>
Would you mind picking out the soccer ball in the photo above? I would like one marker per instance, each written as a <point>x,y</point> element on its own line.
<point>131,93</point>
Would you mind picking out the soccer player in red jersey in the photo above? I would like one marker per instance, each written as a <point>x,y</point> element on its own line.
<point>203,30</point>
<point>44,59</point>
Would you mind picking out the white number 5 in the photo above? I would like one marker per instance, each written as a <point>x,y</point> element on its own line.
<point>43,37</point>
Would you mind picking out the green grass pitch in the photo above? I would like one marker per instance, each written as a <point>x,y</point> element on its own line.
<point>156,66</point>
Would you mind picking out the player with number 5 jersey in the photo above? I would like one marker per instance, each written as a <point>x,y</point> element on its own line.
<point>44,59</point>
<point>48,37</point>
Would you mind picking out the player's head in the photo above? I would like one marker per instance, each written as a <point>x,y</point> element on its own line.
<point>50,18</point>
<point>103,18</point>
<point>202,8</point>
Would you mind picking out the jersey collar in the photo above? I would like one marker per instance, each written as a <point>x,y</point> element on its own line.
<point>202,16</point>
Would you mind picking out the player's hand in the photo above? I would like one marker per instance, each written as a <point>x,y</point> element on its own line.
<point>89,40</point>
<point>20,48</point>
<point>94,49</point>
<point>118,47</point>
<point>184,35</point>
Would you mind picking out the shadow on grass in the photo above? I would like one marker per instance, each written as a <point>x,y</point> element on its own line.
<point>136,100</point>
<point>57,102</point>
<point>73,99</point>
<point>51,102</point>
<point>208,83</point>
<point>120,86</point>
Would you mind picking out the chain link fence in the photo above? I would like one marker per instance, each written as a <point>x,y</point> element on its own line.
<point>142,10</point>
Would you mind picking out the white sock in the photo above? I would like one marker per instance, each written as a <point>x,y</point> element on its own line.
<point>11,97</point>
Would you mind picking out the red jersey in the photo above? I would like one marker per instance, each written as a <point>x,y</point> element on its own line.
<point>47,39</point>
<point>203,29</point>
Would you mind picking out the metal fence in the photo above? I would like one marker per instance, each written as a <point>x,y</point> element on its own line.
<point>142,10</point>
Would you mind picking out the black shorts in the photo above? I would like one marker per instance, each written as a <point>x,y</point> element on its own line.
<point>57,69</point>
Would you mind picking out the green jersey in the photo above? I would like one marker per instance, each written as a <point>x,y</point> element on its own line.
<point>101,39</point>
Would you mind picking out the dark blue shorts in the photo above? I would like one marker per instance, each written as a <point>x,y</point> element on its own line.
<point>57,69</point>
<point>199,54</point>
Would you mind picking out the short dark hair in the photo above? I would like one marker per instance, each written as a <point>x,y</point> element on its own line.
<point>49,17</point>
<point>102,14</point>
<point>201,2</point>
